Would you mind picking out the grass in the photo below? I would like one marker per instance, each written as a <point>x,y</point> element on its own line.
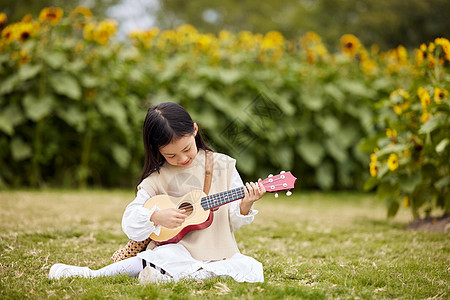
<point>312,246</point>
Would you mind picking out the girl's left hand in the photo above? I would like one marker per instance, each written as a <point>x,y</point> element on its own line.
<point>253,192</point>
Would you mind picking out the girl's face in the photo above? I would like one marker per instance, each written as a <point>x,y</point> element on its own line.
<point>181,152</point>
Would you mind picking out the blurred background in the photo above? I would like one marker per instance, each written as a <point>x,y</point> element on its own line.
<point>387,23</point>
<point>348,95</point>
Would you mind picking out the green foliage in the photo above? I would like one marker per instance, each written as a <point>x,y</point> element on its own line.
<point>411,161</point>
<point>72,101</point>
<point>66,111</point>
<point>387,23</point>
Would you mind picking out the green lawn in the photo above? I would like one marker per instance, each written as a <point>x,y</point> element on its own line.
<point>312,245</point>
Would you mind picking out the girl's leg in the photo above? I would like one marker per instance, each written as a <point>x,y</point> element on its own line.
<point>131,266</point>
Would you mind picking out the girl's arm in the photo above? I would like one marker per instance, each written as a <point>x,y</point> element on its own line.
<point>136,222</point>
<point>237,220</point>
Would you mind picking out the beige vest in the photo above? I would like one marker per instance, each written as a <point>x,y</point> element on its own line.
<point>217,241</point>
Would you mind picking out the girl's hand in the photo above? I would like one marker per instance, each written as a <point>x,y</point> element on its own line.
<point>170,218</point>
<point>253,192</point>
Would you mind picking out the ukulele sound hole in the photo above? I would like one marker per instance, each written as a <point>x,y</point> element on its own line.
<point>188,207</point>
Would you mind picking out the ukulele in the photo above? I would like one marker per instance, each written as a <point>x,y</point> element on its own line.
<point>198,206</point>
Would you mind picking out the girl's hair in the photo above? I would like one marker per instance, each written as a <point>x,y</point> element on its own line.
<point>163,124</point>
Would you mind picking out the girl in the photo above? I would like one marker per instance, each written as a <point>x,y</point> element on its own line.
<point>175,165</point>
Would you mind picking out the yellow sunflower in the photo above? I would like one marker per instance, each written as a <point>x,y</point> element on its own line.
<point>104,31</point>
<point>8,33</point>
<point>445,44</point>
<point>393,162</point>
<point>25,31</point>
<point>420,57</point>
<point>424,97</point>
<point>80,16</point>
<point>350,44</point>
<point>3,20</point>
<point>373,169</point>
<point>439,95</point>
<point>273,39</point>
<point>51,15</point>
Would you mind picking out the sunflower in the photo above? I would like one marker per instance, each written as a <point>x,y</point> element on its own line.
<point>3,20</point>
<point>393,162</point>
<point>420,57</point>
<point>25,31</point>
<point>104,31</point>
<point>373,169</point>
<point>425,116</point>
<point>81,10</point>
<point>439,95</point>
<point>51,15</point>
<point>350,44</point>
<point>445,44</point>
<point>273,39</point>
<point>424,96</point>
<point>80,16</point>
<point>8,33</point>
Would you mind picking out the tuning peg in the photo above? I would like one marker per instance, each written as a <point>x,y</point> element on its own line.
<point>282,172</point>
<point>288,193</point>
<point>276,195</point>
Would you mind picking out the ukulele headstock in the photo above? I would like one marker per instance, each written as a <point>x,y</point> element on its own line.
<point>284,181</point>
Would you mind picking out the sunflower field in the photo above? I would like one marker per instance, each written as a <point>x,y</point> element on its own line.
<point>73,97</point>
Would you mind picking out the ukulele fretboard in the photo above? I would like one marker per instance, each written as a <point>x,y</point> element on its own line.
<point>218,199</point>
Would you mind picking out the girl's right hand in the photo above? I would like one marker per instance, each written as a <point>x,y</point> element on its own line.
<point>170,218</point>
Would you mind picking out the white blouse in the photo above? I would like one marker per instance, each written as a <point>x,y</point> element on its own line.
<point>136,222</point>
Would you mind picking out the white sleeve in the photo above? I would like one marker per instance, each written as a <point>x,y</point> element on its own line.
<point>237,220</point>
<point>136,219</point>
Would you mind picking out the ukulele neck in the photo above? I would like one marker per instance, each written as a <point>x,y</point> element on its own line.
<point>222,198</point>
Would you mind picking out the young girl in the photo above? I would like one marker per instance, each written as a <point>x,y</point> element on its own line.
<point>175,165</point>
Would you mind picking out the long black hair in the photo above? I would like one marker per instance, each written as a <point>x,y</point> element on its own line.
<point>164,123</point>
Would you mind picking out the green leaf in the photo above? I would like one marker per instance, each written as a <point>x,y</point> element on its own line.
<point>442,183</point>
<point>284,157</point>
<point>311,151</point>
<point>5,124</point>
<point>387,189</point>
<point>121,155</point>
<point>433,123</point>
<point>392,149</point>
<point>10,117</point>
<point>329,124</point>
<point>440,147</point>
<point>409,183</point>
<point>37,108</point>
<point>357,88</point>
<point>229,76</point>
<point>335,150</point>
<point>370,184</point>
<point>8,85</point>
<point>67,85</point>
<point>55,59</point>
<point>335,92</point>
<point>74,117</point>
<point>112,108</point>
<point>392,206</point>
<point>29,71</point>
<point>19,149</point>
<point>314,103</point>
<point>89,81</point>
<point>325,175</point>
